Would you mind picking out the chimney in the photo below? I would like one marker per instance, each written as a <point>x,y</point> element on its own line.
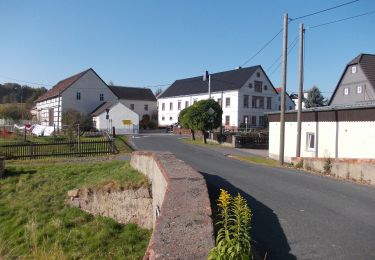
<point>205,76</point>
<point>238,68</point>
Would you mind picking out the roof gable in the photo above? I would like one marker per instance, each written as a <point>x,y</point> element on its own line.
<point>61,86</point>
<point>367,63</point>
<point>222,81</point>
<point>133,93</point>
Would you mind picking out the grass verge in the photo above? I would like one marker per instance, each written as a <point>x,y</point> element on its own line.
<point>256,160</point>
<point>199,141</point>
<point>35,223</point>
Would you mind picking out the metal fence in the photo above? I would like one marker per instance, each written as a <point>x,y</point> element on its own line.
<point>57,149</point>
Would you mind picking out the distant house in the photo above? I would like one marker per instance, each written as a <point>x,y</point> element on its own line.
<point>289,102</point>
<point>83,92</point>
<point>115,114</point>
<point>140,100</point>
<point>244,93</point>
<point>357,83</point>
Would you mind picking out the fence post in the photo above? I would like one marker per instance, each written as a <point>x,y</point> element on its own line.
<point>2,166</point>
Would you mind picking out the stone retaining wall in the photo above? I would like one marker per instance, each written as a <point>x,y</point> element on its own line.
<point>358,170</point>
<point>183,227</point>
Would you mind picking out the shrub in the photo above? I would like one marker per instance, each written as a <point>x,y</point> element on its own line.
<point>299,165</point>
<point>327,166</point>
<point>233,239</point>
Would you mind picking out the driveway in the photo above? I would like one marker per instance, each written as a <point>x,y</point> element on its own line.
<point>295,214</point>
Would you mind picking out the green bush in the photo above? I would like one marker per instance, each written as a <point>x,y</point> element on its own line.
<point>233,239</point>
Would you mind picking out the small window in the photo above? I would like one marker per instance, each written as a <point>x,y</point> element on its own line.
<point>258,74</point>
<point>227,120</point>
<point>146,107</point>
<point>258,86</point>
<point>162,118</point>
<point>246,101</point>
<point>162,106</point>
<point>101,97</point>
<point>170,106</point>
<point>265,87</point>
<point>170,118</point>
<point>290,107</point>
<point>269,102</point>
<point>179,105</point>
<point>132,106</point>
<point>354,69</point>
<point>253,120</point>
<point>346,91</point>
<point>186,103</point>
<point>250,85</point>
<point>310,141</point>
<point>359,89</point>
<point>78,96</point>
<point>227,102</point>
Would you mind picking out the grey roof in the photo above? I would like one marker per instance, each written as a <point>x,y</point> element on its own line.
<point>133,93</point>
<point>367,63</point>
<point>102,107</point>
<point>227,80</point>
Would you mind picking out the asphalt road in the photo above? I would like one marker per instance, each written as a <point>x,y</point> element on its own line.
<point>295,214</point>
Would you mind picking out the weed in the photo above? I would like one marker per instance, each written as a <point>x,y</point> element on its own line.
<point>299,164</point>
<point>327,166</point>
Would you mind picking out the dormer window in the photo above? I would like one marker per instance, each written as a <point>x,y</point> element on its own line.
<point>346,91</point>
<point>354,69</point>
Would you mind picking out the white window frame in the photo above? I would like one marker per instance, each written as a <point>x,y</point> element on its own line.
<point>346,91</point>
<point>359,89</point>
<point>227,102</point>
<point>354,69</point>
<point>310,144</point>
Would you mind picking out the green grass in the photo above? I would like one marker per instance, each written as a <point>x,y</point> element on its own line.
<point>199,141</point>
<point>256,160</point>
<point>122,147</point>
<point>35,222</point>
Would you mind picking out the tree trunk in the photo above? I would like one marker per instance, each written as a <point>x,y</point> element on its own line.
<point>192,134</point>
<point>204,137</point>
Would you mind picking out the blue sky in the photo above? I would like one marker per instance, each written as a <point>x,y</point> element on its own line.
<point>147,43</point>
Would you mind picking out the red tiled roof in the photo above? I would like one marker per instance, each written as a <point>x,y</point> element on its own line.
<point>278,90</point>
<point>61,86</point>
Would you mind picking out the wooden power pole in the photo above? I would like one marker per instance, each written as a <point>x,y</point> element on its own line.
<point>283,90</point>
<point>300,90</point>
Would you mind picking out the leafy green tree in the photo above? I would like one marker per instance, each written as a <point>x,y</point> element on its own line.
<point>202,116</point>
<point>315,98</point>
<point>184,118</point>
<point>72,117</point>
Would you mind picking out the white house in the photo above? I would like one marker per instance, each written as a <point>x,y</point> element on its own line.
<point>115,114</point>
<point>140,100</point>
<point>245,94</point>
<point>289,102</point>
<point>83,92</point>
<point>327,132</point>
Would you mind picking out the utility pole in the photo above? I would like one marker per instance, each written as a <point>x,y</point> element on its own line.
<point>300,90</point>
<point>283,90</point>
<point>209,86</point>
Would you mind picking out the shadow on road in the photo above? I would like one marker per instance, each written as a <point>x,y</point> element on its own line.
<point>266,232</point>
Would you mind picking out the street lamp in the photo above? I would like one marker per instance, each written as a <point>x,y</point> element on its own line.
<point>107,118</point>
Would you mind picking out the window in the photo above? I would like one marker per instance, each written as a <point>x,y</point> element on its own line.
<point>265,87</point>
<point>186,103</point>
<point>132,106</point>
<point>250,85</point>
<point>258,74</point>
<point>253,120</point>
<point>162,118</point>
<point>258,86</point>
<point>346,91</point>
<point>78,96</point>
<point>162,106</point>
<point>146,107</point>
<point>170,118</point>
<point>359,89</point>
<point>261,102</point>
<point>354,69</point>
<point>179,105</point>
<point>246,101</point>
<point>227,102</point>
<point>261,121</point>
<point>101,97</point>
<point>269,102</point>
<point>254,102</point>
<point>227,119</point>
<point>279,107</point>
<point>290,107</point>
<point>170,106</point>
<point>310,141</point>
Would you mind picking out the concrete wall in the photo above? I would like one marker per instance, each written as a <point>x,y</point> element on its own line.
<point>332,139</point>
<point>184,228</point>
<point>358,170</point>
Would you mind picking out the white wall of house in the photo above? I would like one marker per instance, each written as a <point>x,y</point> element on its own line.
<point>354,140</point>
<point>117,114</point>
<point>140,106</point>
<point>90,87</point>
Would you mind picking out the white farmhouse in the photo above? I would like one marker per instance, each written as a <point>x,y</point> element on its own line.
<point>83,92</point>
<point>245,94</point>
<point>290,103</point>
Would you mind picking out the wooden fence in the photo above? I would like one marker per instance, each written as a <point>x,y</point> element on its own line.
<point>57,149</point>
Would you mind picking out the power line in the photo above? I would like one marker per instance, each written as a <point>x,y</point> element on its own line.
<point>340,20</point>
<point>289,51</point>
<point>324,10</point>
<point>278,58</point>
<point>27,82</point>
<point>261,49</point>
